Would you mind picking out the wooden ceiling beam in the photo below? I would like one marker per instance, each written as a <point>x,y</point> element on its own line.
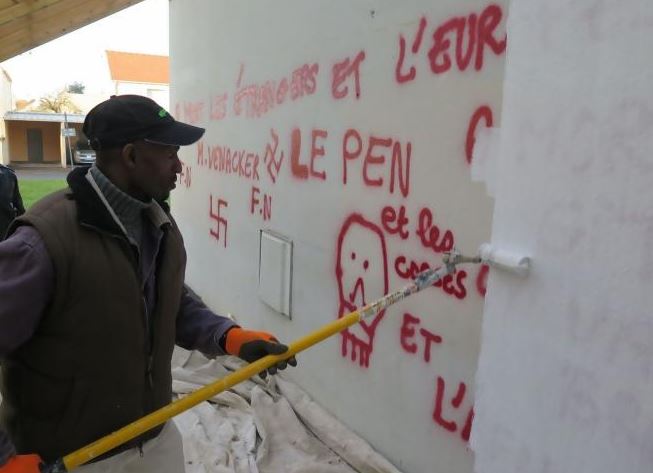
<point>50,21</point>
<point>22,8</point>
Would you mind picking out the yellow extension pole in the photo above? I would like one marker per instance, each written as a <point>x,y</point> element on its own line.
<point>136,428</point>
<point>158,417</point>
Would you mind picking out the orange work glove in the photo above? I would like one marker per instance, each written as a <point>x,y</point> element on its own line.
<point>22,464</point>
<point>251,345</point>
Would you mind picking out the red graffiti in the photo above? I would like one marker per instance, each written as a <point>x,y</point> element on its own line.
<point>185,175</point>
<point>303,81</point>
<point>342,71</point>
<point>483,112</point>
<point>395,222</point>
<point>473,35</point>
<point>408,336</point>
<point>451,284</point>
<point>218,218</point>
<point>372,159</point>
<point>481,279</point>
<point>317,150</point>
<point>200,152</point>
<point>362,274</point>
<point>255,100</point>
<point>410,75</point>
<point>430,235</point>
<point>480,33</point>
<point>218,107</point>
<point>270,157</point>
<point>191,112</point>
<point>262,203</point>
<point>299,170</point>
<point>374,168</point>
<point>227,160</point>
<point>456,402</point>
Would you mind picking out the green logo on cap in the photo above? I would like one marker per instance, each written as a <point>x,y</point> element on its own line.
<point>162,113</point>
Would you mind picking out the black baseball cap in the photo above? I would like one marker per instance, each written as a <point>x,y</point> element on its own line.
<point>126,118</point>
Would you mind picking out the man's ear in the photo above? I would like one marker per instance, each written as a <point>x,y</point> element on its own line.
<point>128,155</point>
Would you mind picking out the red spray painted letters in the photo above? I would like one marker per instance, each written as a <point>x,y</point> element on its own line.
<point>299,170</point>
<point>227,160</point>
<point>374,162</point>
<point>483,112</point>
<point>410,75</point>
<point>218,107</point>
<point>481,279</point>
<point>472,34</point>
<point>191,112</point>
<point>185,175</point>
<point>430,235</point>
<point>456,402</point>
<point>342,71</point>
<point>451,284</point>
<point>480,33</point>
<point>257,99</point>
<point>395,222</point>
<point>408,336</point>
<point>260,202</point>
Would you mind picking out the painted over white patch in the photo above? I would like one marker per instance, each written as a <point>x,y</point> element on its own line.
<point>313,112</point>
<point>565,380</point>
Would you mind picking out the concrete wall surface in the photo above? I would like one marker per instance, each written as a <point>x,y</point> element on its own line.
<point>565,380</point>
<point>347,128</point>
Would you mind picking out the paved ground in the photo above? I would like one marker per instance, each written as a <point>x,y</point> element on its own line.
<point>40,172</point>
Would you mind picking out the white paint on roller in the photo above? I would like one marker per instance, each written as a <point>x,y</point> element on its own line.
<point>503,259</point>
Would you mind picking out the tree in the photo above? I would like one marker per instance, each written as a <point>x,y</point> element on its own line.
<point>76,88</point>
<point>58,102</point>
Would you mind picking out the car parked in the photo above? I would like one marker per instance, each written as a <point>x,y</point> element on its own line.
<point>84,156</point>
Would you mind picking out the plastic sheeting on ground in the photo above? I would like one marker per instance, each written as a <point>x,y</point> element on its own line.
<point>263,427</point>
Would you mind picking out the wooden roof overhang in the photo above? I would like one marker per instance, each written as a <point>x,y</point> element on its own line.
<point>26,24</point>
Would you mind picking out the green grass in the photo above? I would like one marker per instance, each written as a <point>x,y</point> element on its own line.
<point>32,190</point>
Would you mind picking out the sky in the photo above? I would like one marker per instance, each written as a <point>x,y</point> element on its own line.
<point>80,56</point>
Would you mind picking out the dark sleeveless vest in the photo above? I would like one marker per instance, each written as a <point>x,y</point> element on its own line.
<point>97,361</point>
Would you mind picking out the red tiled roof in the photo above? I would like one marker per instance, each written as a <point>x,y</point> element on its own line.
<point>133,67</point>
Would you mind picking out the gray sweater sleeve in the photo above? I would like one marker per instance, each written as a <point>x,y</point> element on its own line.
<point>199,328</point>
<point>26,284</point>
<point>7,449</point>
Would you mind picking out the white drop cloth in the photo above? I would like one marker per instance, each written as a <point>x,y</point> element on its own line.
<point>263,427</point>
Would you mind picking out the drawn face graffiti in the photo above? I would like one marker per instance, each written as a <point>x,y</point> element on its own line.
<point>362,273</point>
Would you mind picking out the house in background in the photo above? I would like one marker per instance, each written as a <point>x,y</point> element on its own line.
<point>6,104</point>
<point>141,74</point>
<point>32,136</point>
<point>41,137</point>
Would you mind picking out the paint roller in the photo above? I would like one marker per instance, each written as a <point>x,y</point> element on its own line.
<point>496,258</point>
<point>504,260</point>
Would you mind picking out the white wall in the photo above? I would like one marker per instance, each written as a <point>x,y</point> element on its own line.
<point>411,405</point>
<point>565,378</point>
